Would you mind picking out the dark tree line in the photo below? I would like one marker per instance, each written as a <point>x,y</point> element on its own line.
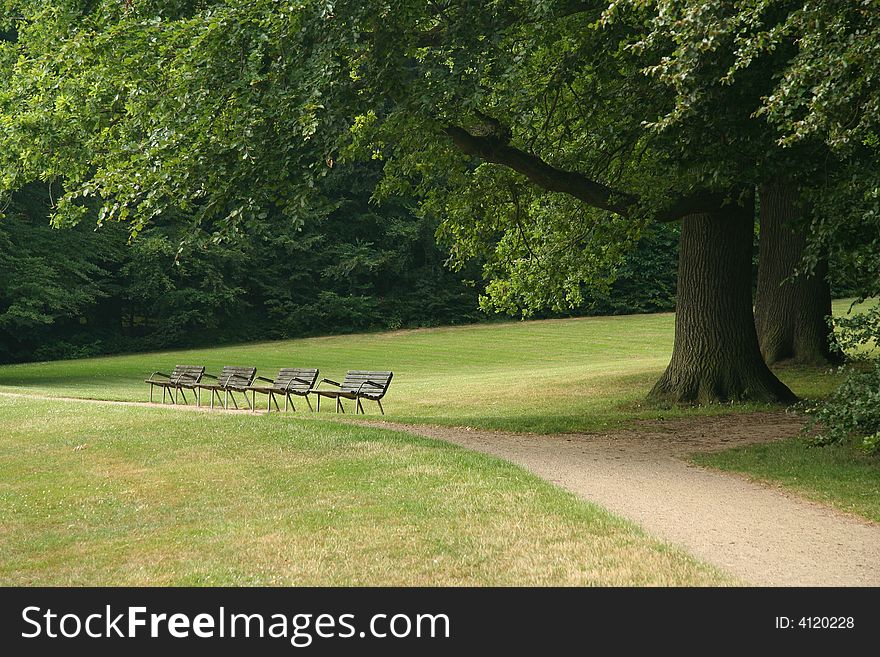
<point>80,291</point>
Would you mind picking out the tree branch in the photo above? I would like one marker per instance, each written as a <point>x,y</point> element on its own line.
<point>546,176</point>
<point>496,150</point>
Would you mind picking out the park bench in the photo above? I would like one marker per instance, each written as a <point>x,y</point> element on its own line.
<point>357,385</point>
<point>232,379</point>
<point>181,375</point>
<point>290,381</point>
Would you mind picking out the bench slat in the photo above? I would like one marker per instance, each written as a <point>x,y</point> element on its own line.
<point>187,373</point>
<point>356,380</point>
<point>286,375</point>
<point>233,376</point>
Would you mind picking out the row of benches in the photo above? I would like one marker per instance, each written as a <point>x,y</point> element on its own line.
<point>357,385</point>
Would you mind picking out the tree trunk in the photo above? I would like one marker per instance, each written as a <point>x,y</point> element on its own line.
<point>715,357</point>
<point>790,315</point>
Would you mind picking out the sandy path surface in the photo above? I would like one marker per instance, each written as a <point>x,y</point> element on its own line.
<point>763,535</point>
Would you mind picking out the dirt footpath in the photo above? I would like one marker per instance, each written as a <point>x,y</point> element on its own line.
<point>763,535</point>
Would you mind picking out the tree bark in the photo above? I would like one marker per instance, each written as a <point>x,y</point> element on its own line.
<point>715,357</point>
<point>790,313</point>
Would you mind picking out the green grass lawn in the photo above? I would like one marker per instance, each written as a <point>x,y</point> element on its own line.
<point>96,494</point>
<point>99,494</point>
<point>544,376</point>
<point>842,476</point>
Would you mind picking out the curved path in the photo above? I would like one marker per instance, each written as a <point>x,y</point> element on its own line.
<point>763,535</point>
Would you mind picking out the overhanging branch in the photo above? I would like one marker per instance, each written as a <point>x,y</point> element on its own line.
<point>546,176</point>
<point>494,149</point>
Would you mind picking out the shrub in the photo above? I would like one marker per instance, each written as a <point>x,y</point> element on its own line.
<point>853,409</point>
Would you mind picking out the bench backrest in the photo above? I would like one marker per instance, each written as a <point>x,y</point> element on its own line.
<point>296,379</point>
<point>355,380</point>
<point>236,377</point>
<point>187,373</point>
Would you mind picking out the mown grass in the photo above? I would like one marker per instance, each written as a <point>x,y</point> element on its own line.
<point>842,475</point>
<point>97,494</point>
<point>544,376</point>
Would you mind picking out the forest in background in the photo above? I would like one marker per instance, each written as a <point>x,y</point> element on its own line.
<point>88,290</point>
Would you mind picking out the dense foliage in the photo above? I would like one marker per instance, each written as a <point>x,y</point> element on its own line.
<point>78,291</point>
<point>227,112</point>
<point>51,280</point>
<point>853,410</point>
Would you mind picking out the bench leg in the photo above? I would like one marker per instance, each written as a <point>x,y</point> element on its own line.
<point>288,401</point>
<point>269,402</point>
<point>183,394</point>
<point>319,404</point>
<point>359,407</point>
<point>379,401</point>
<point>310,404</point>
<point>234,403</point>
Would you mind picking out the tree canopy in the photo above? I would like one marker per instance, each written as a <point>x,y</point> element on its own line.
<point>546,136</point>
<point>227,111</point>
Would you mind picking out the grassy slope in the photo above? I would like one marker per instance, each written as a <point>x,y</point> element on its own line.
<point>100,494</point>
<point>544,376</point>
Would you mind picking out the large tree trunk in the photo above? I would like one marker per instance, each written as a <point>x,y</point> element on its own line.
<point>715,356</point>
<point>790,315</point>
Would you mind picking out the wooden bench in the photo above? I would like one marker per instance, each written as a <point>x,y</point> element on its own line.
<point>181,375</point>
<point>357,385</point>
<point>290,381</point>
<point>232,379</point>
